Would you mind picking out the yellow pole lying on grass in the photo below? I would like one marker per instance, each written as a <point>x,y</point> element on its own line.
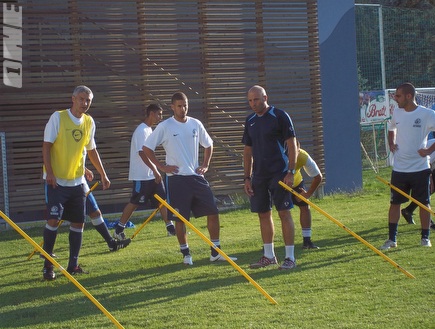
<point>211,244</point>
<point>146,221</point>
<point>406,195</point>
<point>347,230</point>
<point>57,265</point>
<point>61,221</point>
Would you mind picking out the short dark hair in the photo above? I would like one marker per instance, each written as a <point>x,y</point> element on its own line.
<point>153,108</point>
<point>407,88</point>
<point>178,96</point>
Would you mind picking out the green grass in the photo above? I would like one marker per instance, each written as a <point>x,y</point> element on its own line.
<point>342,285</point>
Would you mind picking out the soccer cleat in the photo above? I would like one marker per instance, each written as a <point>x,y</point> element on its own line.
<point>408,216</point>
<point>76,270</point>
<point>171,229</point>
<point>426,243</point>
<point>220,258</point>
<point>119,236</point>
<point>309,245</point>
<point>115,245</point>
<point>263,262</point>
<point>187,260</point>
<point>48,273</point>
<point>288,264</point>
<point>388,244</point>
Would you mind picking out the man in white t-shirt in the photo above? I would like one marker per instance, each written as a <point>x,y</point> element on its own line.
<point>407,139</point>
<point>147,180</point>
<point>187,189</point>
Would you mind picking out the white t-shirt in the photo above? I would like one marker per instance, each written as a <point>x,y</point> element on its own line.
<point>181,143</point>
<point>432,155</point>
<point>411,129</point>
<point>138,169</point>
<point>50,134</point>
<point>311,167</point>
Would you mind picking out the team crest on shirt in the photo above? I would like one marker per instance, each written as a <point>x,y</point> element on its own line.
<point>417,123</point>
<point>77,134</point>
<point>195,133</point>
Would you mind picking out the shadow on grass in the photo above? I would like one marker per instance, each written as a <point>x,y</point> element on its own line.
<point>342,249</point>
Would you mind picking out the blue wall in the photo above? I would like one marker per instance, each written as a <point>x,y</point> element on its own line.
<point>338,71</point>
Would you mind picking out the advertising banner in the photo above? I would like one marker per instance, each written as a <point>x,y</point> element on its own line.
<point>373,106</point>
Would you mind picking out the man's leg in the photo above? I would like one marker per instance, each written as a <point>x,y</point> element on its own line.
<point>75,244</point>
<point>267,229</point>
<point>126,214</point>
<point>305,220</point>
<point>288,233</point>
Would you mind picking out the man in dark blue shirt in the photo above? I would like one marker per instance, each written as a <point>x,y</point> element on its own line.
<point>270,156</point>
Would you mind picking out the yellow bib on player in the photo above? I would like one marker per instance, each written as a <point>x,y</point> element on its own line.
<point>67,152</point>
<point>300,162</point>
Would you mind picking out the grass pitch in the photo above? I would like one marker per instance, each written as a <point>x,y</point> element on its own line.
<point>342,285</point>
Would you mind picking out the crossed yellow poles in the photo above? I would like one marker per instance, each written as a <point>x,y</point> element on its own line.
<point>208,241</point>
<point>388,259</point>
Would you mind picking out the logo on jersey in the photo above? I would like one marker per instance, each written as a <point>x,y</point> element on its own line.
<point>77,135</point>
<point>195,133</point>
<point>417,123</point>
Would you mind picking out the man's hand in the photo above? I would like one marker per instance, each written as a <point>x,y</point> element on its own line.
<point>106,182</point>
<point>248,187</point>
<point>51,180</point>
<point>289,179</point>
<point>201,170</point>
<point>89,175</point>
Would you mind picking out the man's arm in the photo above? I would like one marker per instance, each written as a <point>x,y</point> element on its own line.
<point>152,166</point>
<point>201,170</point>
<point>292,153</point>
<point>247,169</point>
<point>152,157</point>
<point>314,185</point>
<point>392,140</point>
<point>46,156</point>
<point>94,156</point>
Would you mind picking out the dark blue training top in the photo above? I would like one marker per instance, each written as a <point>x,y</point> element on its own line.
<point>266,135</point>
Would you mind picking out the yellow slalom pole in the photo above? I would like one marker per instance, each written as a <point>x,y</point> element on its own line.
<point>406,195</point>
<point>57,265</point>
<point>388,259</point>
<point>61,221</point>
<point>211,244</point>
<point>146,221</point>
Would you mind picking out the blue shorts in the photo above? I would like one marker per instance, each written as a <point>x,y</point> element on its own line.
<point>91,204</point>
<point>65,202</point>
<point>267,191</point>
<point>144,191</point>
<point>295,199</point>
<point>190,194</point>
<point>415,182</point>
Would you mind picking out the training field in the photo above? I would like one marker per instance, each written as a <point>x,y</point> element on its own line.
<point>345,284</point>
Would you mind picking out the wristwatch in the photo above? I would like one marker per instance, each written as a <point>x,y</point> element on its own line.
<point>291,171</point>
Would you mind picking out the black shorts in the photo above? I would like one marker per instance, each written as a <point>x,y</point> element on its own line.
<point>295,199</point>
<point>267,191</point>
<point>416,182</point>
<point>65,202</point>
<point>190,194</point>
<point>144,191</point>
